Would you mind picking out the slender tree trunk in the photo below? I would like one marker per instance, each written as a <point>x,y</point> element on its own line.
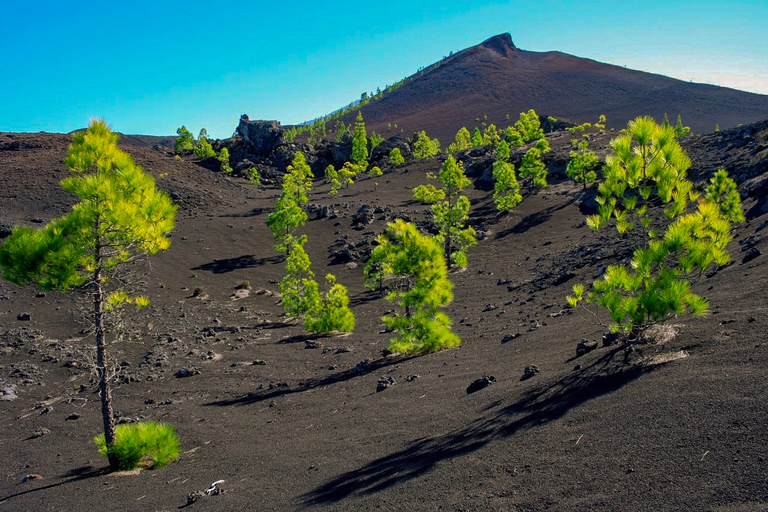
<point>105,391</point>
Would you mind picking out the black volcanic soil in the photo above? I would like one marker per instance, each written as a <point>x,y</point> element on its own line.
<point>678,425</point>
<point>496,79</point>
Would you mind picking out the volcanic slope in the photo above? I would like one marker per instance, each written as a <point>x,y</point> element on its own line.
<point>495,78</point>
<point>679,424</point>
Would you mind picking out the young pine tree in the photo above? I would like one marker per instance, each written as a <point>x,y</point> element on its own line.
<point>648,167</point>
<point>203,148</point>
<point>461,142</point>
<point>450,215</point>
<point>582,166</point>
<point>185,140</point>
<point>331,312</point>
<point>477,138</point>
<point>533,167</point>
<point>502,150</point>
<point>529,126</point>
<point>289,214</point>
<point>414,267</point>
<point>375,140</point>
<point>491,135</point>
<point>359,142</point>
<point>424,147</point>
<point>224,159</point>
<point>396,157</point>
<point>506,194</point>
<point>121,218</point>
<point>298,288</point>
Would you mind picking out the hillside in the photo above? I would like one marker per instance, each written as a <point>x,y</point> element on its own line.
<point>495,78</point>
<point>294,422</point>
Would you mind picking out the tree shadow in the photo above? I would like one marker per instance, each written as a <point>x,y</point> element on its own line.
<point>282,390</point>
<point>73,475</point>
<point>536,219</point>
<point>541,405</point>
<point>231,264</point>
<point>255,212</point>
<point>365,297</point>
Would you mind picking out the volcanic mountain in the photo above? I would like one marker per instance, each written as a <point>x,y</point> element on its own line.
<point>495,78</point>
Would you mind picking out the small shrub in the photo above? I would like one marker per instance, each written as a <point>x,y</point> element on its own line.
<point>148,444</point>
<point>198,291</point>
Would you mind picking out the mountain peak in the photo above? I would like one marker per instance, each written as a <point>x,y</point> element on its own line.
<point>501,44</point>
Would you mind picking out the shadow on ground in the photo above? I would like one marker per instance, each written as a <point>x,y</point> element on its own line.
<point>541,405</point>
<point>240,262</point>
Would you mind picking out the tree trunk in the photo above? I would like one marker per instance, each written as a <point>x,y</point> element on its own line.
<point>105,391</point>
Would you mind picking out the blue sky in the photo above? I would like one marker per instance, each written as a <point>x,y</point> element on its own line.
<point>149,67</point>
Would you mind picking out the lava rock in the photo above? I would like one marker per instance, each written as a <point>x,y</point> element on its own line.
<point>509,337</point>
<point>187,372</point>
<point>8,394</point>
<point>530,371</point>
<point>40,432</point>
<point>610,338</point>
<point>751,254</point>
<point>481,383</point>
<point>24,317</point>
<point>383,383</point>
<point>585,346</point>
<point>261,137</point>
<point>72,417</point>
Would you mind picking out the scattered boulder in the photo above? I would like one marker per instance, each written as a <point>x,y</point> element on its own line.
<point>481,383</point>
<point>31,476</point>
<point>530,371</point>
<point>8,394</point>
<point>187,372</point>
<point>383,383</point>
<point>313,344</point>
<point>72,417</point>
<point>751,254</point>
<point>40,432</point>
<point>509,337</point>
<point>585,346</point>
<point>261,137</point>
<point>610,338</point>
<point>24,317</point>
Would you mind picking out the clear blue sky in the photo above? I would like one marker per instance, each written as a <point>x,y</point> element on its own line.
<point>151,66</point>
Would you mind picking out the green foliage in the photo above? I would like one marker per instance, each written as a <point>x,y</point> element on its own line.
<point>289,214</point>
<point>341,131</point>
<point>491,135</point>
<point>253,176</point>
<point>582,166</point>
<point>513,136</point>
<point>349,172</point>
<point>680,130</point>
<point>600,124</point>
<point>722,190</point>
<point>648,167</point>
<point>529,126</point>
<point>502,150</point>
<point>374,173</point>
<point>414,266</point>
<point>290,134</point>
<point>203,148</point>
<point>332,175</point>
<point>121,217</point>
<point>185,139</point>
<point>331,312</point>
<point>224,159</point>
<point>477,138</point>
<point>451,212</point>
<point>533,167</point>
<point>148,444</point>
<point>396,157</point>
<point>375,139</point>
<point>506,193</point>
<point>360,142</point>
<point>424,147</point>
<point>298,288</point>
<point>461,142</point>
<point>428,194</point>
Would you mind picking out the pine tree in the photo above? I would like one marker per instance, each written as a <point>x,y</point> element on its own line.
<point>396,157</point>
<point>360,142</point>
<point>491,135</point>
<point>298,289</point>
<point>203,148</point>
<point>341,131</point>
<point>513,137</point>
<point>424,147</point>
<point>121,217</point>
<point>582,166</point>
<point>224,159</point>
<point>185,139</point>
<point>414,266</point>
<point>461,142</point>
<point>332,175</point>
<point>289,214</point>
<point>450,213</point>
<point>374,173</point>
<point>529,126</point>
<point>533,167</point>
<point>331,313</point>
<point>375,139</point>
<point>477,138</point>
<point>502,150</point>
<point>680,130</point>
<point>648,166</point>
<point>506,193</point>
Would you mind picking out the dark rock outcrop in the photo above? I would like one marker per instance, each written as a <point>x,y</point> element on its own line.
<point>261,137</point>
